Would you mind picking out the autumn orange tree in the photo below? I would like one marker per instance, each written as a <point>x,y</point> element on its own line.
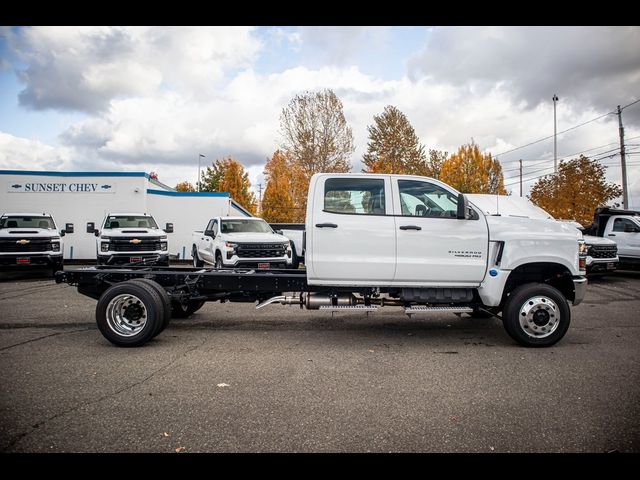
<point>278,204</point>
<point>233,179</point>
<point>185,187</point>
<point>470,171</point>
<point>575,191</point>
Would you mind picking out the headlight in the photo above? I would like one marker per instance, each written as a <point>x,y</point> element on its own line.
<point>164,237</point>
<point>582,247</point>
<point>105,238</point>
<point>230,245</point>
<point>163,246</point>
<point>104,247</point>
<point>55,246</point>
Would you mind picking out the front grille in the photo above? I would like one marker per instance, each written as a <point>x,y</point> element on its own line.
<point>260,250</point>
<point>604,251</point>
<point>34,245</point>
<point>125,245</point>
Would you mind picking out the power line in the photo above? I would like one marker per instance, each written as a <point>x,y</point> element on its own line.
<point>551,136</point>
<point>564,131</point>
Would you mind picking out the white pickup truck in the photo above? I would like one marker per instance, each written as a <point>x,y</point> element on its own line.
<point>372,240</point>
<point>130,238</point>
<point>240,242</point>
<point>31,239</point>
<point>621,226</point>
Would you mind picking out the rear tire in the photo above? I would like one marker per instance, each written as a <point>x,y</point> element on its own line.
<point>219,260</point>
<point>536,315</point>
<point>164,296</point>
<point>179,310</point>
<point>129,314</point>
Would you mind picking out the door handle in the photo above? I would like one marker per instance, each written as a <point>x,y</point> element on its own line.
<point>326,225</point>
<point>410,227</point>
<point>612,234</point>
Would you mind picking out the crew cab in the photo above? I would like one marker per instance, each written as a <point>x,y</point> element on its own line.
<point>31,239</point>
<point>622,226</point>
<point>372,241</point>
<point>130,238</point>
<point>240,242</point>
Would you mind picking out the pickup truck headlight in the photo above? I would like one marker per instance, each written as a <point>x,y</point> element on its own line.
<point>230,245</point>
<point>582,255</point>
<point>104,247</point>
<point>163,246</point>
<point>55,246</point>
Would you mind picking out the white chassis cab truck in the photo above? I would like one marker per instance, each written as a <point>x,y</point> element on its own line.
<point>31,239</point>
<point>240,242</point>
<point>374,241</point>
<point>129,238</point>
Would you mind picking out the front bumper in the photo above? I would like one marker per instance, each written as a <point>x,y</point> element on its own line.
<point>579,289</point>
<point>11,260</point>
<point>124,258</point>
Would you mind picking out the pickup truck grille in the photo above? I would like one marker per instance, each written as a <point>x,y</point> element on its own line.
<point>602,251</point>
<point>124,245</point>
<point>34,245</point>
<point>260,250</point>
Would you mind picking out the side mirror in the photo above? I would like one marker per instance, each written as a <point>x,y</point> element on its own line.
<point>91,227</point>
<point>279,232</point>
<point>210,233</point>
<point>68,228</point>
<point>463,208</point>
<point>168,228</point>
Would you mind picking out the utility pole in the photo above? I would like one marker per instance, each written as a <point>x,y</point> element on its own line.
<point>625,198</point>
<point>555,139</point>
<point>260,199</point>
<point>520,177</point>
<point>199,156</point>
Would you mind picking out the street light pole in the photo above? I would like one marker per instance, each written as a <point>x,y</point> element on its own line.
<point>199,156</point>
<point>555,140</point>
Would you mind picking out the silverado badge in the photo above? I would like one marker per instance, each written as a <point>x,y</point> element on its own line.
<point>23,242</point>
<point>135,241</point>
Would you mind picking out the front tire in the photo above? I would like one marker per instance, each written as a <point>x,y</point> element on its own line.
<point>536,315</point>
<point>197,263</point>
<point>129,314</point>
<point>219,260</point>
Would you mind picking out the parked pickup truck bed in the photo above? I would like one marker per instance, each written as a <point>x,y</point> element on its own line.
<point>374,240</point>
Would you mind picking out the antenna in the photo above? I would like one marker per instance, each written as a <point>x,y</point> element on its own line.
<point>497,204</point>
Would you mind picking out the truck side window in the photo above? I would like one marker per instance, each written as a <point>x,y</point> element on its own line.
<point>424,199</point>
<point>624,225</point>
<point>215,227</point>
<point>360,196</point>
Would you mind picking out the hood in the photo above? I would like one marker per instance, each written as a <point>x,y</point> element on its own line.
<point>18,233</point>
<point>132,232</point>
<point>605,242</point>
<point>253,237</point>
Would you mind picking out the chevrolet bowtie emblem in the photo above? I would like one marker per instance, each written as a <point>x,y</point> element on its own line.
<point>23,242</point>
<point>135,241</point>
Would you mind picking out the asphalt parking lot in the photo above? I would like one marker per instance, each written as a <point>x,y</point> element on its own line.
<point>231,379</point>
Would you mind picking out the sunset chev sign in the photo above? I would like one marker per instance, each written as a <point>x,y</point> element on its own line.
<point>61,187</point>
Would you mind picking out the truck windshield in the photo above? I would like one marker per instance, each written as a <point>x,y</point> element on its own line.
<point>129,221</point>
<point>27,222</point>
<point>245,226</point>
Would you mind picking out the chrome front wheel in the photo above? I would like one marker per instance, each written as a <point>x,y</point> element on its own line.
<point>539,317</point>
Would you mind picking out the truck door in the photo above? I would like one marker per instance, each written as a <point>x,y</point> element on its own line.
<point>351,236</point>
<point>207,246</point>
<point>434,247</point>
<point>626,233</point>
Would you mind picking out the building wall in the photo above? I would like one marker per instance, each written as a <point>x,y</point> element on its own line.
<point>81,197</point>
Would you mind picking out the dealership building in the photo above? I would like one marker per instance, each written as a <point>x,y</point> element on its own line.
<point>81,197</point>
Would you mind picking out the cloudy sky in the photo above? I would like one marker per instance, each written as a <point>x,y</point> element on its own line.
<point>154,98</point>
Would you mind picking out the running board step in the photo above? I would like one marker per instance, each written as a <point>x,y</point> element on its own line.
<point>342,308</point>
<point>422,309</point>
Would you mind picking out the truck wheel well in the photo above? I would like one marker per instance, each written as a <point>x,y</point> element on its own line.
<point>553,274</point>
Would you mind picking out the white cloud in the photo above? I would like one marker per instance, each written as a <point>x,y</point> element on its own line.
<point>84,68</point>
